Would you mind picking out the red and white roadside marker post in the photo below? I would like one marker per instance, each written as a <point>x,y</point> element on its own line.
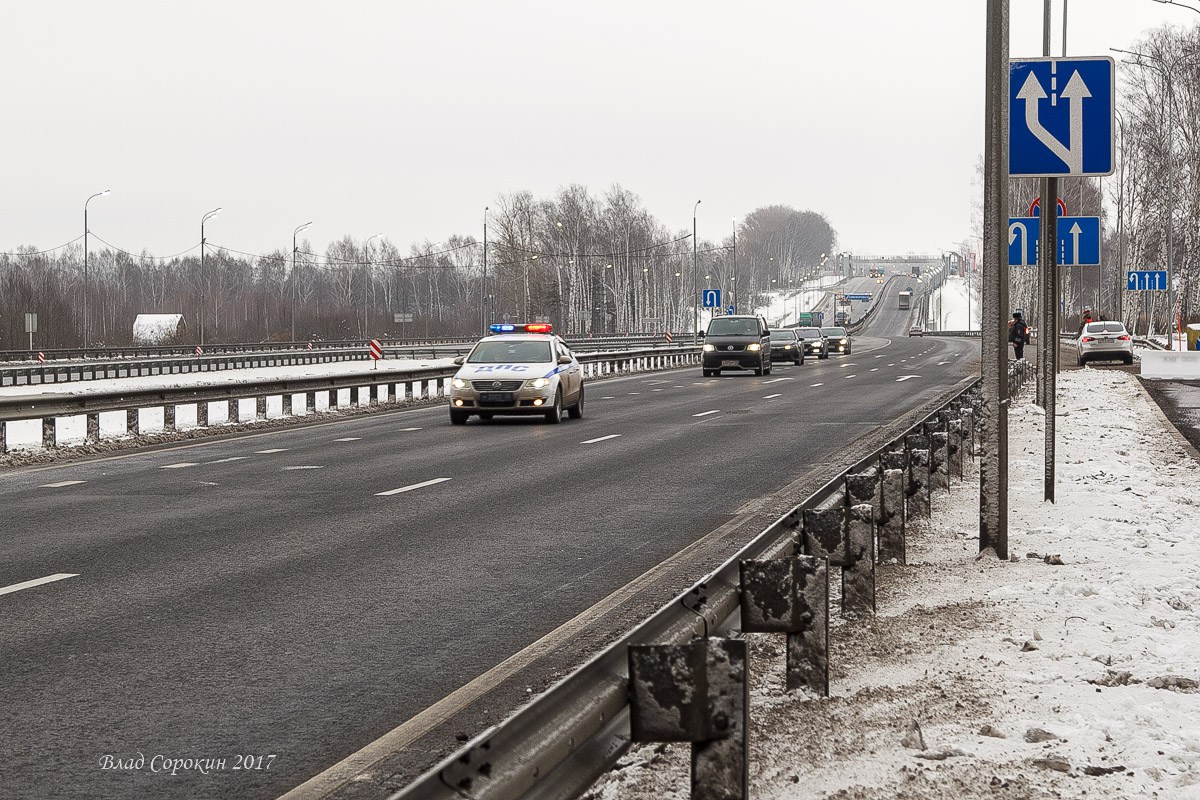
<point>41,358</point>
<point>376,353</point>
<point>199,350</point>
<point>669,339</point>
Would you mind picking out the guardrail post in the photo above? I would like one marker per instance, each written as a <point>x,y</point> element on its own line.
<point>169,418</point>
<point>93,428</point>
<point>892,516</point>
<point>202,414</point>
<point>954,447</point>
<point>132,422</point>
<point>791,595</point>
<point>285,402</point>
<point>697,692</point>
<point>918,474</point>
<point>863,509</point>
<point>49,433</point>
<point>967,429</point>
<point>333,399</point>
<point>310,403</point>
<point>232,411</point>
<point>939,476</point>
<point>260,408</point>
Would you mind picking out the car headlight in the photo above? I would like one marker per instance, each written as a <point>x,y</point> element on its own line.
<point>538,383</point>
<point>787,347</point>
<point>845,341</point>
<point>708,348</point>
<point>754,346</point>
<point>459,383</point>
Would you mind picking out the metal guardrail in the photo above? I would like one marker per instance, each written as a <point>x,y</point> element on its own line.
<point>560,743</point>
<point>382,386</point>
<point>249,358</point>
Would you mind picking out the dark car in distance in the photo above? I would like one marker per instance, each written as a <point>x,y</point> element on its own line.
<point>839,339</point>
<point>815,343</point>
<point>736,341</point>
<point>786,346</point>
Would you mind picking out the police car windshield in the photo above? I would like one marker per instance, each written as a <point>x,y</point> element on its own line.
<point>733,327</point>
<point>808,333</point>
<point>510,353</point>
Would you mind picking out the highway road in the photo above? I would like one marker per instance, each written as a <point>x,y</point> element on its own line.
<point>298,593</point>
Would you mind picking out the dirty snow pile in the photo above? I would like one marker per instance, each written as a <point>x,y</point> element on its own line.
<point>1069,671</point>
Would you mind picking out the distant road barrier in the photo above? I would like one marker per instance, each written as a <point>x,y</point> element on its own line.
<point>374,388</point>
<point>63,366</point>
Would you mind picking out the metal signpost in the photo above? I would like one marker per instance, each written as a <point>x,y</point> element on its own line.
<point>30,327</point>
<point>1062,114</point>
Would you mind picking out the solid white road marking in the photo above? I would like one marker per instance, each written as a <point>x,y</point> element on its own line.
<point>772,396</point>
<point>906,377</point>
<point>60,484</point>
<point>180,465</point>
<point>272,450</point>
<point>777,380</point>
<point>706,413</point>
<point>16,587</point>
<point>285,469</point>
<point>349,439</point>
<point>602,438</point>
<point>404,489</point>
<point>226,460</point>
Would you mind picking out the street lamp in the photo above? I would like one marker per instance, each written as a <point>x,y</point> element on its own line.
<point>1181,5</point>
<point>483,297</point>
<point>525,310</point>
<point>733,268</point>
<point>85,264</point>
<point>295,233</point>
<point>366,277</point>
<point>203,273</point>
<point>695,282</point>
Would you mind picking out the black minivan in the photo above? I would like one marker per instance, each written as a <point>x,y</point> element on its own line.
<point>736,341</point>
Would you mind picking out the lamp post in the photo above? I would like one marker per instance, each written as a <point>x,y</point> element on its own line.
<point>203,273</point>
<point>366,279</point>
<point>695,282</point>
<point>483,323</point>
<point>525,306</point>
<point>733,268</point>
<point>1181,5</point>
<point>85,264</point>
<point>295,233</point>
<point>1170,131</point>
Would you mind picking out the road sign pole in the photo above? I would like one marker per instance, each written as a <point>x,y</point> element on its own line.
<point>993,464</point>
<point>1049,258</point>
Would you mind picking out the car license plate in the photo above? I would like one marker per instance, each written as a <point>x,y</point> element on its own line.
<point>495,397</point>
<point>728,363</point>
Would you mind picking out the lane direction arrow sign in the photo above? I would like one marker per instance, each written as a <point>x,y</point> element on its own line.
<point>1078,241</point>
<point>1144,280</point>
<point>1061,116</point>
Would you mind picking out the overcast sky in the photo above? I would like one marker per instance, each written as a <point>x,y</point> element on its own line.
<point>409,118</point>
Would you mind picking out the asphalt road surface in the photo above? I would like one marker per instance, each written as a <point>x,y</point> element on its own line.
<point>280,600</point>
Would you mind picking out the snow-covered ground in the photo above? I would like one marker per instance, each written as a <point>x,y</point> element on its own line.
<point>783,307</point>
<point>948,306</point>
<point>1026,679</point>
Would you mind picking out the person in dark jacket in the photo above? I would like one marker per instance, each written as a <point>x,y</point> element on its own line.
<point>1018,334</point>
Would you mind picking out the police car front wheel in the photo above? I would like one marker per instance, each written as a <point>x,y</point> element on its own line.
<point>458,417</point>
<point>576,411</point>
<point>554,415</point>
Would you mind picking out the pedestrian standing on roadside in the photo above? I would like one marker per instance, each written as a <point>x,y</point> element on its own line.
<point>1018,334</point>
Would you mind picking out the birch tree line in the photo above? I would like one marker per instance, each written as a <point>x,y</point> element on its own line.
<point>588,264</point>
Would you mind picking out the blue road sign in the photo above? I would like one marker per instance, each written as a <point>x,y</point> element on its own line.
<point>712,298</point>
<point>1146,280</point>
<point>1078,241</point>
<point>729,310</point>
<point>1061,113</point>
<point>863,297</point>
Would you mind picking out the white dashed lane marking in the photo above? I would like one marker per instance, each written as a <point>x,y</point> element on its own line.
<point>772,396</point>
<point>777,380</point>
<point>849,376</point>
<point>61,484</point>
<point>349,439</point>
<point>286,469</point>
<point>180,465</point>
<point>609,397</point>
<point>272,450</point>
<point>906,377</point>
<point>16,587</point>
<point>404,489</point>
<point>706,413</point>
<point>227,460</point>
<point>815,385</point>
<point>602,438</point>
<point>409,430</point>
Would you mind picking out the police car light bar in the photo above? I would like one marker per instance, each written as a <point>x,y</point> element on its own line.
<point>533,327</point>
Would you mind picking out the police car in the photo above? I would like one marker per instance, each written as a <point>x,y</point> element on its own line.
<point>519,369</point>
